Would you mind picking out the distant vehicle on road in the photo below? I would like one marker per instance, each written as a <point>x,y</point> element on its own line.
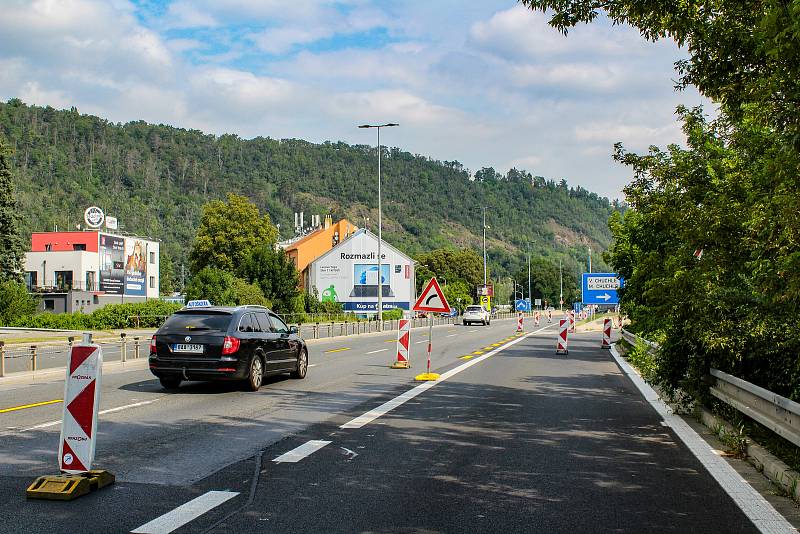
<point>244,343</point>
<point>476,314</point>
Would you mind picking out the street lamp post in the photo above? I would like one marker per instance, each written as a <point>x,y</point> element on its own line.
<point>380,214</point>
<point>530,295</point>
<point>484,245</point>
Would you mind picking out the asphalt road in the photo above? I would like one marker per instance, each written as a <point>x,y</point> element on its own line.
<point>521,441</point>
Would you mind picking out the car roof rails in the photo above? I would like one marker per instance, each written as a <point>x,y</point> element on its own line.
<point>253,306</point>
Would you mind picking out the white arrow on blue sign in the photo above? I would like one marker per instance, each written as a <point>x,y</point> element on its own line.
<point>600,288</point>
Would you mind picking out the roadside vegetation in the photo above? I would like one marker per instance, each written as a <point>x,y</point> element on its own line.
<point>710,251</point>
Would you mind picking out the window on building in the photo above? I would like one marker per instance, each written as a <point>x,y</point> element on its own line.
<point>95,299</point>
<point>152,282</point>
<point>31,279</point>
<point>78,246</point>
<point>152,257</point>
<point>63,279</point>
<point>48,247</point>
<point>49,304</point>
<point>91,281</point>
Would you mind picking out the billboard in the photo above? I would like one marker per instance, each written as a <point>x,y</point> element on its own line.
<point>135,267</point>
<point>112,264</point>
<point>349,274</point>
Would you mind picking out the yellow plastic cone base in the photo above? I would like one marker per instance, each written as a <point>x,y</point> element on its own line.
<point>400,365</point>
<point>427,376</point>
<point>68,487</point>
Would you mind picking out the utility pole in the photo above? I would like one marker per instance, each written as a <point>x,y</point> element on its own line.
<point>590,259</point>
<point>560,287</point>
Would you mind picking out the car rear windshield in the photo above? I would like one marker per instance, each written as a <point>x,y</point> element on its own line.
<point>473,308</point>
<point>197,321</point>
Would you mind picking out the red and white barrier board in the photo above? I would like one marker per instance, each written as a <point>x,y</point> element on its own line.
<point>81,400</point>
<point>536,318</point>
<point>606,333</point>
<point>571,316</point>
<point>561,343</point>
<point>403,341</point>
<point>519,323</point>
<point>549,316</point>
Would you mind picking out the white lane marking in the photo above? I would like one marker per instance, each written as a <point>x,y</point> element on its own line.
<point>421,341</point>
<point>468,331</point>
<point>101,412</point>
<point>312,364</point>
<point>765,518</point>
<point>452,335</point>
<point>298,453</point>
<point>401,399</point>
<point>376,351</point>
<point>186,512</point>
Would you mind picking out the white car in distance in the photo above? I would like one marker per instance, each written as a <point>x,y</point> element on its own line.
<point>476,314</point>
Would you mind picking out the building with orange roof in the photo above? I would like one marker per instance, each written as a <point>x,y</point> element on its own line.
<point>309,247</point>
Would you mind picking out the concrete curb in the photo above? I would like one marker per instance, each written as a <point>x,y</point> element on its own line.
<point>772,467</point>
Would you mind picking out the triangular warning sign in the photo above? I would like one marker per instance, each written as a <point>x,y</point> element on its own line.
<point>432,299</point>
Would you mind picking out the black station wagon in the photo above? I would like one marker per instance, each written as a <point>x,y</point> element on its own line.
<point>244,343</point>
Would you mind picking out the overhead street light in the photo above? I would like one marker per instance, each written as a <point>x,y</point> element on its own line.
<point>380,214</point>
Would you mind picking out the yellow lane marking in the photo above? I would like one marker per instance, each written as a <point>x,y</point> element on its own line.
<point>490,347</point>
<point>477,353</point>
<point>497,344</point>
<point>390,341</point>
<point>467,357</point>
<point>337,350</point>
<point>34,405</point>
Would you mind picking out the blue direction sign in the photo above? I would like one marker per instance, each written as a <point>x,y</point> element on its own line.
<point>522,305</point>
<point>600,288</point>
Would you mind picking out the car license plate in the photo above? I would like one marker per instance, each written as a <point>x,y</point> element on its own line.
<point>180,347</point>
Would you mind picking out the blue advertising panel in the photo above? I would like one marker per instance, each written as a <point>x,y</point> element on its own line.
<point>600,288</point>
<point>522,305</point>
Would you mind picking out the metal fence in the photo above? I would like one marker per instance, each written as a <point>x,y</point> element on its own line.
<point>777,413</point>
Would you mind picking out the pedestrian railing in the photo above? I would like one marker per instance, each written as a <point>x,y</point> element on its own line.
<point>777,413</point>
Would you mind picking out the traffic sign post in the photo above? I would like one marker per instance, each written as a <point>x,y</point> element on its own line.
<point>561,342</point>
<point>606,333</point>
<point>78,429</point>
<point>431,300</point>
<point>403,342</point>
<point>600,288</point>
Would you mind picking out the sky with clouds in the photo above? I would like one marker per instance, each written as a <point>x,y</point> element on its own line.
<point>486,83</point>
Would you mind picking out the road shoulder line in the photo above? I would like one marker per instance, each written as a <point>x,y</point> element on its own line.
<point>765,518</point>
<point>185,513</point>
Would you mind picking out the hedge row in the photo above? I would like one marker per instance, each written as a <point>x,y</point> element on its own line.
<point>112,316</point>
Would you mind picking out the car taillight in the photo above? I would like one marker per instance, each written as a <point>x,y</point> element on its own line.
<point>230,345</point>
<point>153,345</point>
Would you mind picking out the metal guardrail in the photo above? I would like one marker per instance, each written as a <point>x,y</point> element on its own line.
<point>777,413</point>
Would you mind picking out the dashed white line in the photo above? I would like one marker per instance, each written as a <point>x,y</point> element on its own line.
<point>452,335</point>
<point>376,351</point>
<point>101,412</point>
<point>185,513</point>
<point>298,453</point>
<point>765,518</point>
<point>421,341</point>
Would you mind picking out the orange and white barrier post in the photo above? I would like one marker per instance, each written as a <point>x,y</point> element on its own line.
<point>536,318</point>
<point>561,343</point>
<point>403,342</point>
<point>519,322</point>
<point>606,333</point>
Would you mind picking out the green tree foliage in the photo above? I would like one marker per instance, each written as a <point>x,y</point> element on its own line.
<point>157,178</point>
<point>228,232</point>
<point>732,193</point>
<point>451,265</point>
<point>15,302</point>
<point>546,283</point>
<point>166,274</point>
<point>213,284</point>
<point>12,246</point>
<point>148,314</point>
<point>247,293</point>
<point>458,294</point>
<point>274,272</point>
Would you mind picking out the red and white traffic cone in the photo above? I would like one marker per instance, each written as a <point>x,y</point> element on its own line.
<point>403,341</point>
<point>519,322</point>
<point>536,318</point>
<point>606,334</point>
<point>561,343</point>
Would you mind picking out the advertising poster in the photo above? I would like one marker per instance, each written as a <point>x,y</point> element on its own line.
<point>112,264</point>
<point>349,274</point>
<point>135,268</point>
